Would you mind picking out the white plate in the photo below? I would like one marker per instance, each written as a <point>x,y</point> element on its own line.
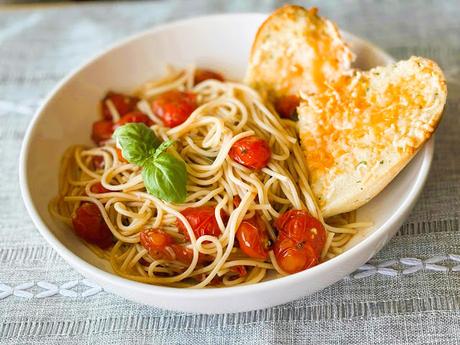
<point>219,42</point>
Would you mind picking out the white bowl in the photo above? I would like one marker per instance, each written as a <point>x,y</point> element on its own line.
<point>219,42</point>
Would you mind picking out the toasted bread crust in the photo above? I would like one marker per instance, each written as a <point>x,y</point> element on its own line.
<point>296,50</point>
<point>360,132</point>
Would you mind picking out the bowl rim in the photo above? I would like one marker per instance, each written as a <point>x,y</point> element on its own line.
<point>86,268</point>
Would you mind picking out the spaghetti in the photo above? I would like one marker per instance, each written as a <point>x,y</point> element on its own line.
<point>227,112</point>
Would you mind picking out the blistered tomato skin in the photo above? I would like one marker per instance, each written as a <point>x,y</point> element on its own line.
<point>134,117</point>
<point>300,226</point>
<point>202,220</point>
<point>253,238</point>
<point>174,107</point>
<point>89,224</point>
<point>156,241</point>
<point>206,74</point>
<point>102,131</point>
<point>293,256</point>
<point>252,152</point>
<point>124,104</point>
<point>286,106</point>
<point>301,238</point>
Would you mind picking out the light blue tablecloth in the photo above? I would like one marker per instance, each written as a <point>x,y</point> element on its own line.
<point>408,294</point>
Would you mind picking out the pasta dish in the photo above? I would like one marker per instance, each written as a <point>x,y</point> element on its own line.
<point>196,182</point>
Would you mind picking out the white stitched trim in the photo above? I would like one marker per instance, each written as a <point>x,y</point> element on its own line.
<point>49,289</point>
<point>391,268</point>
<point>438,263</point>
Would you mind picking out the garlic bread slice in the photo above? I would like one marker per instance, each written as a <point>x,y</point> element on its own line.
<point>296,49</point>
<point>364,128</point>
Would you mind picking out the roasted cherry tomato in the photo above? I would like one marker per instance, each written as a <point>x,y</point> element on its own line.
<point>89,224</point>
<point>161,245</point>
<point>99,188</point>
<point>286,106</point>
<point>174,107</point>
<point>293,257</point>
<point>301,238</point>
<point>134,116</point>
<point>156,242</point>
<point>240,270</point>
<point>253,238</point>
<point>98,162</point>
<point>202,220</point>
<point>122,103</point>
<point>252,152</point>
<point>205,74</point>
<point>102,131</point>
<point>185,255</point>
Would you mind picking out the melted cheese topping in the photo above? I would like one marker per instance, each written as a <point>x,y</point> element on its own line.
<point>296,50</point>
<point>361,122</point>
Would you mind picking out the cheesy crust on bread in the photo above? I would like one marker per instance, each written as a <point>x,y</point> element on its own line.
<point>364,128</point>
<point>296,50</point>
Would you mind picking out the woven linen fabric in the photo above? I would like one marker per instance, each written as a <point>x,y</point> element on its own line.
<point>408,294</point>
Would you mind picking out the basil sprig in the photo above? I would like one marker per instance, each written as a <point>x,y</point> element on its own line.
<point>165,176</point>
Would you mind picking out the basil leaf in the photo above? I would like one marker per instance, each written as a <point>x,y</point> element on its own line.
<point>165,177</point>
<point>137,142</point>
<point>162,148</point>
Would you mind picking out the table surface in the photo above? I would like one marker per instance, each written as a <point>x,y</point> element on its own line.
<point>409,293</point>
